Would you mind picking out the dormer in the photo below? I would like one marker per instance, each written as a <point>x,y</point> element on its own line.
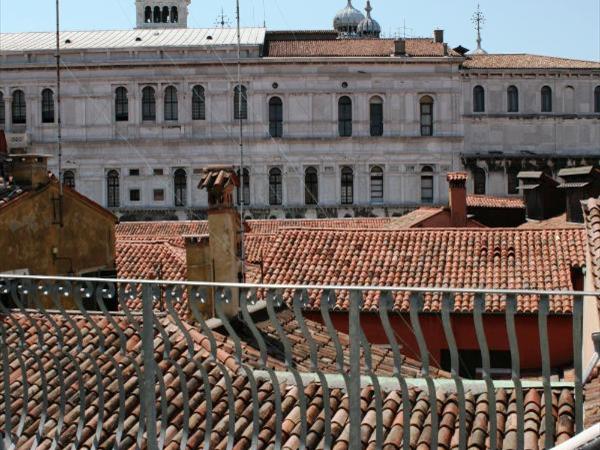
<point>162,13</point>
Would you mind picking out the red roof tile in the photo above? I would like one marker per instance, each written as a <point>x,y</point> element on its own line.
<point>494,258</point>
<point>413,218</point>
<point>488,201</point>
<point>150,260</point>
<point>524,61</point>
<point>355,223</point>
<point>353,47</point>
<point>108,354</point>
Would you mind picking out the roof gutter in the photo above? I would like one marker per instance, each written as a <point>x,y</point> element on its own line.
<point>587,440</point>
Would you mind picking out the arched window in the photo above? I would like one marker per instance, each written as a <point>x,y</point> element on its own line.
<point>245,182</point>
<point>597,99</point>
<point>546,99</point>
<point>275,117</point>
<point>121,105</point>
<point>148,104</point>
<point>180,185</point>
<point>165,14</point>
<point>171,103</point>
<point>376,184</point>
<point>427,185</point>
<point>376,116</point>
<point>198,103</point>
<point>2,112</point>
<point>345,116</point>
<point>512,94</point>
<point>478,99</point>
<point>311,186</point>
<point>19,108</point>
<point>479,181</point>
<point>69,179</point>
<point>174,15</point>
<point>426,116</point>
<point>47,106</point>
<point>347,186</point>
<point>157,14</point>
<point>112,188</point>
<point>148,14</point>
<point>275,187</point>
<point>240,104</point>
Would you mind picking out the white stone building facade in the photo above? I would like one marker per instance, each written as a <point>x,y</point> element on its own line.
<point>299,88</point>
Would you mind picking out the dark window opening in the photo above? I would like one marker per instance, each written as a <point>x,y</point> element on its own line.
<point>180,182</point>
<point>471,367</point>
<point>165,14</point>
<point>345,117</point>
<point>240,104</point>
<point>198,103</point>
<point>159,195</point>
<point>311,186</point>
<point>134,195</point>
<point>157,14</point>
<point>121,105</point>
<point>148,14</point>
<point>275,187</point>
<point>245,183</point>
<point>426,116</point>
<point>174,15</point>
<point>376,116</point>
<point>546,99</point>
<point>478,99</point>
<point>112,184</point>
<point>427,185</point>
<point>597,99</point>
<point>513,181</point>
<point>276,117</point>
<point>19,108</point>
<point>171,104</point>
<point>69,179</point>
<point>513,99</point>
<point>377,184</point>
<point>479,181</point>
<point>47,106</point>
<point>347,182</point>
<point>134,172</point>
<point>148,104</point>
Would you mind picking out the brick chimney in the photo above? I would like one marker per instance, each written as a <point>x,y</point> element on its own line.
<point>579,184</point>
<point>457,182</point>
<point>400,47</point>
<point>218,257</point>
<point>438,36</point>
<point>29,171</point>
<point>543,199</point>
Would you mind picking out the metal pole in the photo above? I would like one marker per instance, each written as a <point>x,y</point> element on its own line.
<point>58,100</point>
<point>241,140</point>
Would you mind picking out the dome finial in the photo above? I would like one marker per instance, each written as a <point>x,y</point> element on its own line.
<point>368,9</point>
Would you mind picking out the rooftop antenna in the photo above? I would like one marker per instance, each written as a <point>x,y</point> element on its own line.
<point>478,20</point>
<point>222,20</point>
<point>58,117</point>
<point>264,15</point>
<point>241,141</point>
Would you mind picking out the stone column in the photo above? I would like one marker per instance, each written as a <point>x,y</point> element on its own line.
<point>8,113</point>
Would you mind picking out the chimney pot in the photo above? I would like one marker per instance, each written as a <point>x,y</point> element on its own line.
<point>438,36</point>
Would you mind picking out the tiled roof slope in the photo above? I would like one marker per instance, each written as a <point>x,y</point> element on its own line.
<point>162,230</point>
<point>592,219</point>
<point>524,61</point>
<point>353,47</point>
<point>413,218</point>
<point>488,201</point>
<point>150,260</point>
<point>355,223</point>
<point>104,386</point>
<point>552,223</point>
<point>497,258</point>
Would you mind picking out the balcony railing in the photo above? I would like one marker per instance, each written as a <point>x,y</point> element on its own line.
<point>97,363</point>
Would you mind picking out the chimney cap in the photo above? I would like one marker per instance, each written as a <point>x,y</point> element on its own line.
<point>218,177</point>
<point>575,171</point>
<point>456,177</point>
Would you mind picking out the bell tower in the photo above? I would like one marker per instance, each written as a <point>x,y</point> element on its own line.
<point>153,14</point>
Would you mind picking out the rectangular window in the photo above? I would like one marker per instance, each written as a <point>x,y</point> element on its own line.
<point>159,172</point>
<point>376,119</point>
<point>426,119</point>
<point>159,195</point>
<point>134,195</point>
<point>134,172</point>
<point>427,189</point>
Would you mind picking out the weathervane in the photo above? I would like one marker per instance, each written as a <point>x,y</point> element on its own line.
<point>222,20</point>
<point>478,20</point>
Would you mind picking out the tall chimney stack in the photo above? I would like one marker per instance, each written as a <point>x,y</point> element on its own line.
<point>457,182</point>
<point>438,36</point>
<point>224,239</point>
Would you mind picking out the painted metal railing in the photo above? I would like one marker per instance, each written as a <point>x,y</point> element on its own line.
<point>94,363</point>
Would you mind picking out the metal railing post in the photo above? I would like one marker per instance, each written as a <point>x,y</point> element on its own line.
<point>147,392</point>
<point>578,360</point>
<point>354,380</point>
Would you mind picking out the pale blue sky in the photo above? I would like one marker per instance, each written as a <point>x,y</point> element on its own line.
<point>569,28</point>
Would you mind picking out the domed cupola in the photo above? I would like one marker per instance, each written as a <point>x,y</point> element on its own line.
<point>346,20</point>
<point>368,27</point>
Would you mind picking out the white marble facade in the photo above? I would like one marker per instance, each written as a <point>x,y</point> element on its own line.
<point>146,154</point>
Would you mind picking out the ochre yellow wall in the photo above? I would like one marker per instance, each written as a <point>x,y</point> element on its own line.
<point>28,235</point>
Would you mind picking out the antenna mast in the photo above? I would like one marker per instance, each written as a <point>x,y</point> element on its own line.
<point>58,99</point>
<point>241,141</point>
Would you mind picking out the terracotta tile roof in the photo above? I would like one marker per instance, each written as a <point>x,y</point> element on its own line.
<point>524,61</point>
<point>171,231</point>
<point>110,354</point>
<point>592,220</point>
<point>413,218</point>
<point>355,223</point>
<point>353,47</point>
<point>491,258</point>
<point>550,224</point>
<point>257,246</point>
<point>150,260</point>
<point>488,201</point>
